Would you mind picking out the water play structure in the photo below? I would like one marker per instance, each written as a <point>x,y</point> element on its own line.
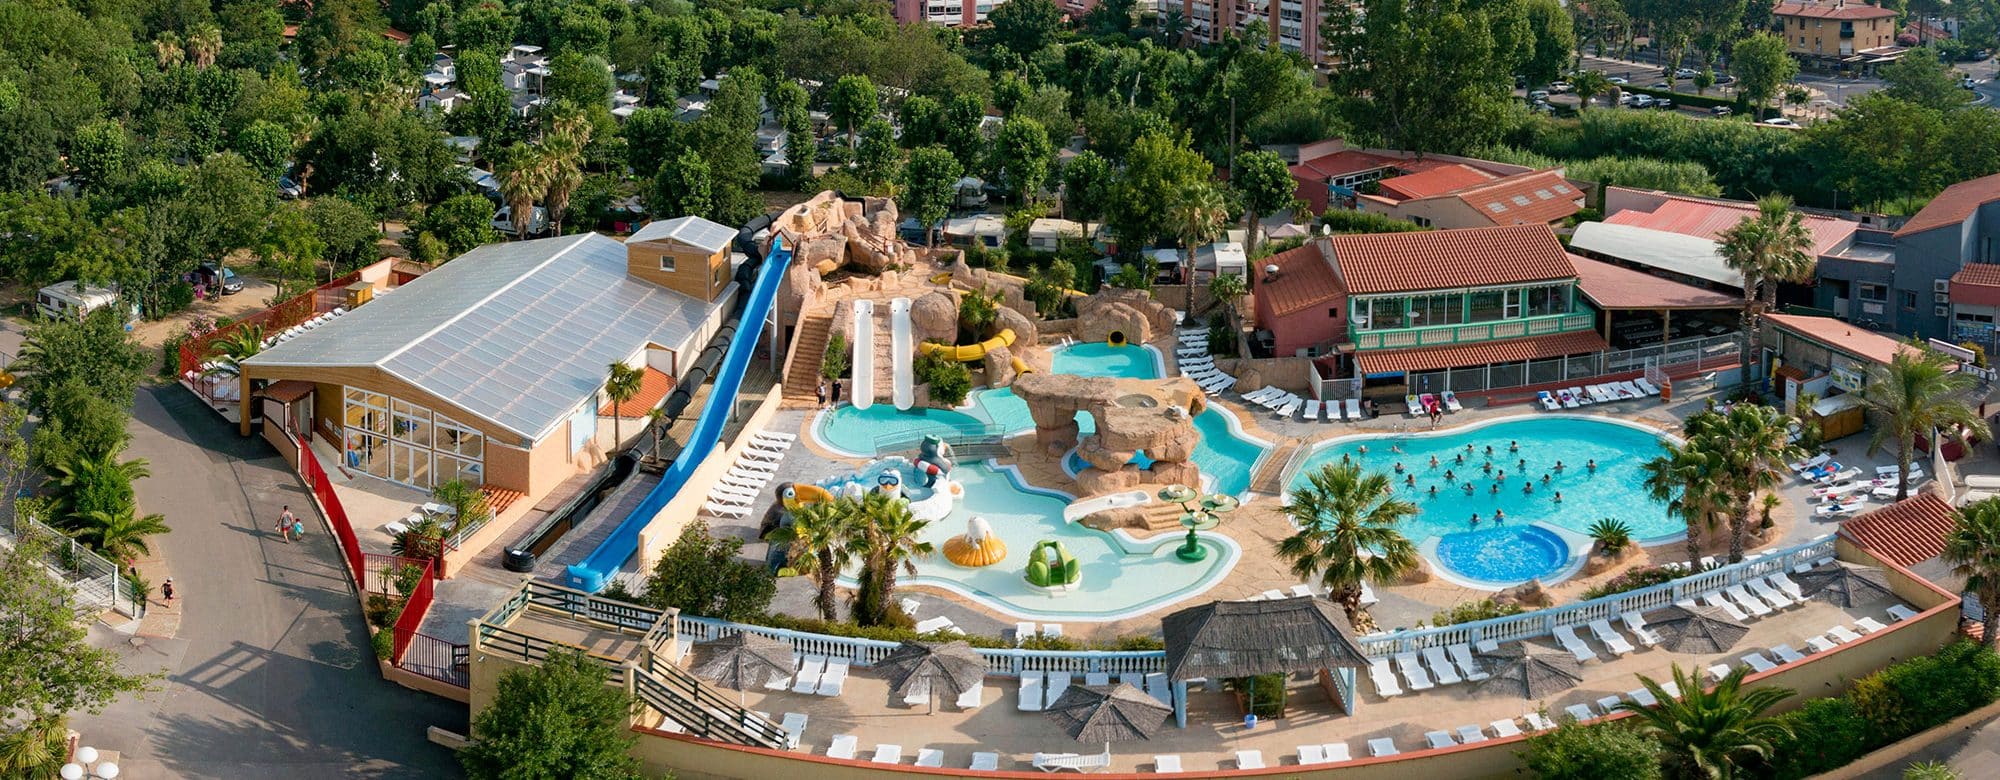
<point>899,353</point>
<point>595,570</point>
<point>978,546</point>
<point>863,391</point>
<point>1051,566</point>
<point>798,494</point>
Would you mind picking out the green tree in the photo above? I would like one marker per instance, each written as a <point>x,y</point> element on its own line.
<point>580,80</point>
<point>1766,249</point>
<point>1156,164</point>
<point>1348,533</point>
<point>1704,79</point>
<point>1916,394</point>
<point>460,222</point>
<point>266,145</point>
<point>95,352</point>
<point>121,534</point>
<point>889,540</point>
<point>1025,27</point>
<point>1762,67</point>
<point>701,574</point>
<point>816,545</point>
<point>1754,441</point>
<point>1195,217</point>
<point>1265,184</point>
<point>1878,148</point>
<point>348,232</point>
<point>99,483</point>
<point>1086,183</point>
<point>1574,751</point>
<point>1920,77</point>
<point>1554,38</point>
<point>555,721</point>
<point>850,102</point>
<point>930,184</point>
<point>684,186</point>
<point>1973,550</point>
<point>622,383</point>
<point>878,154</point>
<point>1229,289</point>
<point>1021,157</point>
<point>52,667</point>
<point>563,148</point>
<point>97,153</point>
<point>1711,732</point>
<point>1428,70</point>
<point>523,173</point>
<point>1686,477</point>
<point>1589,84</point>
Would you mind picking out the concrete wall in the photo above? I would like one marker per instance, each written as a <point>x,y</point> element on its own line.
<point>664,528</point>
<point>1289,373</point>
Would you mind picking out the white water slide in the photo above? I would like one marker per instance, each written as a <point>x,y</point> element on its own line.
<point>900,359</point>
<point>863,392</point>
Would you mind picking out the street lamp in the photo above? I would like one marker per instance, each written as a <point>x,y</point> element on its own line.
<point>1198,513</point>
<point>86,765</point>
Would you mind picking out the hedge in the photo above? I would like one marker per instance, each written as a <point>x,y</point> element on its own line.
<point>1887,706</point>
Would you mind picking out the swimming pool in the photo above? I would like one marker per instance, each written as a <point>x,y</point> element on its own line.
<point>1485,554</point>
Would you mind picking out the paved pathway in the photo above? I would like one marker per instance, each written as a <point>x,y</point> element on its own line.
<point>271,675</point>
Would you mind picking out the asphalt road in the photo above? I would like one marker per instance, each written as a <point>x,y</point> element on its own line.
<point>271,675</point>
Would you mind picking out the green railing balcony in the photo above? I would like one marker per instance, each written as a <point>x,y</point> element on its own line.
<point>1472,332</point>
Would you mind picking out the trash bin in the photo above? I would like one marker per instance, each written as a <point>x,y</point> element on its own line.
<point>518,560</point>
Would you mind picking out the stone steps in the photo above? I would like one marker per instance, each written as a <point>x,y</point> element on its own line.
<point>802,376</point>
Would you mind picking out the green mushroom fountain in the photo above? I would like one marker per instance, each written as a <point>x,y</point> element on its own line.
<point>1198,513</point>
<point>1051,566</point>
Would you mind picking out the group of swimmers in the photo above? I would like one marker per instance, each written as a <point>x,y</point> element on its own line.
<point>1499,475</point>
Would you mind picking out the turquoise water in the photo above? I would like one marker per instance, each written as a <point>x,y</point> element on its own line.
<point>1615,490</point>
<point>1115,580</point>
<point>1504,555</point>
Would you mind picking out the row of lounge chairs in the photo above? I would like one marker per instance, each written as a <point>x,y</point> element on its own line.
<point>1041,689</point>
<point>1606,392</point>
<point>1841,490</point>
<point>1833,637</point>
<point>1284,404</point>
<point>1337,752</point>
<point>846,746</point>
<point>1420,405</point>
<point>1198,365</point>
<point>735,493</point>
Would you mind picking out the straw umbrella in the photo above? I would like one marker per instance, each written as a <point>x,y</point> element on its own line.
<point>1845,584</point>
<point>1108,713</point>
<point>742,661</point>
<point>1533,671</point>
<point>1700,630</point>
<point>951,668</point>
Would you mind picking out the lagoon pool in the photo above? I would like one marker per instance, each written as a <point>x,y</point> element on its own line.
<point>1483,553</point>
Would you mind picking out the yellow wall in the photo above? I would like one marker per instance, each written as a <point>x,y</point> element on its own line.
<point>1821,37</point>
<point>664,528</point>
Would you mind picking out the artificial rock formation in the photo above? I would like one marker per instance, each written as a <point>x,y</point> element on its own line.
<point>828,232</point>
<point>934,317</point>
<point>1132,415</point>
<point>1131,313</point>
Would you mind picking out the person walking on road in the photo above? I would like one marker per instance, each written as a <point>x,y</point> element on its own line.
<point>299,529</point>
<point>286,523</point>
<point>167,590</point>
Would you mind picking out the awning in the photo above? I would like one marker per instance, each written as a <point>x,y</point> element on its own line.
<point>288,391</point>
<point>1480,354</point>
<point>1685,255</point>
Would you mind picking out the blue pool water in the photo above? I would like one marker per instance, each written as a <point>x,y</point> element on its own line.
<point>1616,489</point>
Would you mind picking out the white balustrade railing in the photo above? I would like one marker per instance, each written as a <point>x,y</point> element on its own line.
<point>1010,662</point>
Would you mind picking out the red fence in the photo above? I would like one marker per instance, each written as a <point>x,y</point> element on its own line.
<point>414,610</point>
<point>293,311</point>
<point>336,515</point>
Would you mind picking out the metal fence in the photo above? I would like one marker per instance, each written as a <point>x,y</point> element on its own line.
<point>959,438</point>
<point>1700,353</point>
<point>94,580</point>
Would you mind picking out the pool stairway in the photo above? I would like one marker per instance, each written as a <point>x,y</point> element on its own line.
<point>808,349</point>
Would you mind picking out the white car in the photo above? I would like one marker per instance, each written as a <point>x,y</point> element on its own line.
<point>1560,87</point>
<point>1685,73</point>
<point>1779,122</point>
<point>1619,80</point>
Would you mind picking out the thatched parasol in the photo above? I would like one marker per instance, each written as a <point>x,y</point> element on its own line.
<point>1223,639</point>
<point>933,668</point>
<point>1108,713</point>
<point>1844,584</point>
<point>1531,671</point>
<point>742,661</point>
<point>1700,630</point>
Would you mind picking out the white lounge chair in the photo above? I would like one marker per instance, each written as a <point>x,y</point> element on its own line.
<point>1413,404</point>
<point>1023,631</point>
<point>887,754</point>
<point>834,681</point>
<point>1721,602</point>
<point>842,746</point>
<point>1441,667</point>
<point>1470,734</point>
<point>1291,404</point>
<point>1758,663</point>
<point>1645,386</point>
<point>1787,655</point>
<point>1157,687</point>
<point>938,623</point>
<point>931,757</point>
<point>1353,409</point>
<point>1382,746</point>
<point>1056,762</point>
<point>1776,598</point>
<point>1413,672</point>
<point>1643,697</point>
<point>985,762</point>
<point>1302,589</point>
<point>1031,692</point>
<point>1811,463</point>
<point>1869,625</point>
<point>1719,671</point>
<point>1057,682</point>
<point>1462,654</point>
<point>1166,765</point>
<point>1451,403</point>
<point>1506,728</point>
<point>1548,401</point>
<point>1747,601</point>
<point>1581,712</point>
<point>1820,644</point>
<point>725,510</point>
<point>1609,704</point>
<point>1052,629</point>
<point>1312,411</point>
<point>1636,623</point>
<point>1439,739</point>
<point>1335,752</point>
<point>807,678</point>
<point>794,726</point>
<point>1901,613</point>
<point>1384,678</point>
<point>1249,759</point>
<point>1097,678</point>
<point>1538,722</point>
<point>1566,636</point>
<point>1610,637</point>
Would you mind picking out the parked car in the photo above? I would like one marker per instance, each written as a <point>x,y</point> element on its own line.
<point>1626,98</point>
<point>1560,87</point>
<point>1967,82</point>
<point>289,189</point>
<point>1642,101</point>
<point>1721,111</point>
<point>1724,78</point>
<point>218,278</point>
<point>1779,122</point>
<point>1686,73</point>
<point>1538,95</point>
<point>1543,107</point>
<point>1663,103</point>
<point>1619,80</point>
<point>1663,85</point>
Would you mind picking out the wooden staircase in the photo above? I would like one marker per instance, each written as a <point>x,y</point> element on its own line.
<point>808,347</point>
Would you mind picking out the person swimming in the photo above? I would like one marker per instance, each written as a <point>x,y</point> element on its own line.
<point>1399,467</point>
<point>1545,479</point>
<point>1396,449</point>
<point>1468,488</point>
<point>1496,489</point>
<point>1475,519</point>
<point>1468,448</point>
<point>1499,515</point>
<point>1513,446</point>
<point>1559,496</point>
<point>1410,480</point>
<point>1434,491</point>
<point>1344,459</point>
<point>1591,466</point>
<point>1449,476</point>
<point>1559,467</point>
<point>1489,450</point>
<point>1523,464</point>
<point>1459,459</point>
<point>1487,467</point>
<point>1434,461</point>
<point>1502,476</point>
<point>1527,488</point>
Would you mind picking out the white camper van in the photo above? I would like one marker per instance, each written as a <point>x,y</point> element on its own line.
<point>71,300</point>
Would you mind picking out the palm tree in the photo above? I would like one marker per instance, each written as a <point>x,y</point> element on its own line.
<point>563,147</point>
<point>1711,730</point>
<point>1915,395</point>
<point>1973,550</point>
<point>1589,84</point>
<point>120,534</point>
<point>523,174</point>
<point>1228,288</point>
<point>1348,533</point>
<point>1766,249</point>
<point>888,538</point>
<point>422,540</point>
<point>167,49</point>
<point>1683,476</point>
<point>1196,217</point>
<point>621,385</point>
<point>1755,444</point>
<point>234,347</point>
<point>204,43</point>
<point>817,545</point>
<point>89,483</point>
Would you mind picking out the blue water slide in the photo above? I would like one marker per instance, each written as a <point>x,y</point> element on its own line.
<point>595,571</point>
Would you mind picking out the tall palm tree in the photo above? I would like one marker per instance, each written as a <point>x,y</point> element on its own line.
<point>1589,84</point>
<point>1973,550</point>
<point>1196,217</point>
<point>1348,533</point>
<point>235,347</point>
<point>1228,288</point>
<point>87,483</point>
<point>888,537</point>
<point>1915,395</point>
<point>621,384</point>
<point>168,50</point>
<point>563,146</point>
<point>817,545</point>
<point>1766,249</point>
<point>1712,732</point>
<point>205,43</point>
<point>1684,476</point>
<point>523,174</point>
<point>121,534</point>
<point>1755,444</point>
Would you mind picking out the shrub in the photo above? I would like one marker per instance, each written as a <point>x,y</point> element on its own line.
<point>1343,221</point>
<point>1642,577</point>
<point>977,311</point>
<point>949,379</point>
<point>833,364</point>
<point>381,610</point>
<point>1578,752</point>
<point>1265,693</point>
<point>1474,611</point>
<point>1611,534</point>
<point>1042,642</point>
<point>385,644</point>
<point>1930,770</point>
<point>701,574</point>
<point>1923,692</point>
<point>1825,734</point>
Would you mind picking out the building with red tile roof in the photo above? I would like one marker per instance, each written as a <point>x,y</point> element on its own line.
<point>1436,181</point>
<point>1956,204</point>
<point>1908,532</point>
<point>1846,32</point>
<point>1706,218</point>
<point>1461,196</point>
<point>1329,174</point>
<point>1977,284</point>
<point>1445,259</point>
<point>1842,338</point>
<point>1302,302</point>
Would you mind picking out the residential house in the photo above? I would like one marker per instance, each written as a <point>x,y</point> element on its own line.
<point>1457,195</point>
<point>1827,358</point>
<point>1907,290</point>
<point>1838,33</point>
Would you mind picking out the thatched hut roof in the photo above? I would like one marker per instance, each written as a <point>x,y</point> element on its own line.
<point>1530,671</point>
<point>742,661</point>
<point>1844,584</point>
<point>1700,630</point>
<point>1108,713</point>
<point>1243,638</point>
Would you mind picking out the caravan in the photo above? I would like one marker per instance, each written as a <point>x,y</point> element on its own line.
<point>75,300</point>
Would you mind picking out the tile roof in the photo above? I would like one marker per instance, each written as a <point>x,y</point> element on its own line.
<point>1954,205</point>
<point>653,388</point>
<point>1444,259</point>
<point>1908,532</point>
<point>1342,163</point>
<point>1617,287</point>
<point>1977,284</point>
<point>1305,279</point>
<point>1987,274</point>
<point>1708,219</point>
<point>1483,353</point>
<point>1842,337</point>
<point>1833,10</point>
<point>1523,199</point>
<point>1436,181</point>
